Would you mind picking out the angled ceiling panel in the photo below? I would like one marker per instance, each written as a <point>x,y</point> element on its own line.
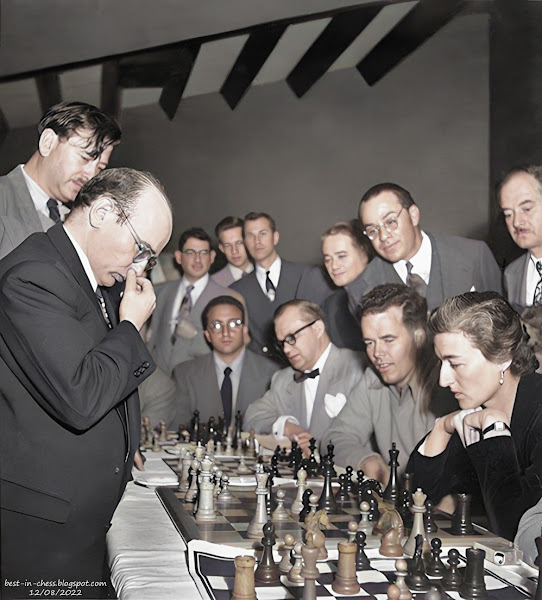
<point>20,103</point>
<point>174,87</point>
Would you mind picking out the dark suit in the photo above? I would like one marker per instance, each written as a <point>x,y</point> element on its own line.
<point>261,309</point>
<point>457,265</point>
<point>197,386</point>
<point>70,413</point>
<point>342,327</point>
<point>515,282</point>
<point>18,215</point>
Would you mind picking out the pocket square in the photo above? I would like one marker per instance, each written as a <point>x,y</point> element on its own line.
<point>473,289</point>
<point>334,404</point>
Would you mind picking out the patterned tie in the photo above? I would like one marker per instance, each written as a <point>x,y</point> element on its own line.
<point>226,393</point>
<point>300,377</point>
<point>415,281</point>
<point>270,288</point>
<point>102,306</point>
<point>186,304</point>
<point>54,213</point>
<point>537,298</point>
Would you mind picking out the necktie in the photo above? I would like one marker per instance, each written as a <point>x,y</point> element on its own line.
<point>102,306</point>
<point>415,281</point>
<point>54,213</point>
<point>184,311</point>
<point>244,274</point>
<point>537,298</point>
<point>270,288</point>
<point>300,377</point>
<point>226,395</point>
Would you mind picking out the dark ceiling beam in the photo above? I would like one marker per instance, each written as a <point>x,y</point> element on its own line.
<point>110,89</point>
<point>4,127</point>
<point>423,21</point>
<point>340,32</point>
<point>173,90</point>
<point>49,93</point>
<point>251,59</point>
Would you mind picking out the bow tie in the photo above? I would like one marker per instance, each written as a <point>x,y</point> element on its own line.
<point>299,377</point>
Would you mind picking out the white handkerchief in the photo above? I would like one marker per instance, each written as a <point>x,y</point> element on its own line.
<point>473,289</point>
<point>334,404</point>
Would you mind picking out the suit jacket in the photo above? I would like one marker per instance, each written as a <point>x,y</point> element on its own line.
<point>18,215</point>
<point>197,386</point>
<point>261,309</point>
<point>457,265</point>
<point>223,277</point>
<point>515,282</point>
<point>315,285</point>
<point>342,327</point>
<point>70,413</point>
<point>342,371</point>
<point>166,353</point>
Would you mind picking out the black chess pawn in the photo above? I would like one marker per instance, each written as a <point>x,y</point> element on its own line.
<point>417,580</point>
<point>342,493</point>
<point>267,572</point>
<point>362,561</point>
<point>435,567</point>
<point>391,492</point>
<point>429,518</point>
<point>452,579</point>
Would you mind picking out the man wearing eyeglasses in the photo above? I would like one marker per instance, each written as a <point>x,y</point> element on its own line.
<point>229,378</point>
<point>229,233</point>
<point>69,371</point>
<point>176,332</point>
<point>435,265</point>
<point>305,397</point>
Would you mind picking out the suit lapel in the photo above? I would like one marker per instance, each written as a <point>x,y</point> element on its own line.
<point>435,288</point>
<point>324,382</point>
<point>209,390</point>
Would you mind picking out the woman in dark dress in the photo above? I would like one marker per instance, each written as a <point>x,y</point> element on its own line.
<point>492,447</point>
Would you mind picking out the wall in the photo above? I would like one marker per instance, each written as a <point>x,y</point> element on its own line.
<point>424,126</point>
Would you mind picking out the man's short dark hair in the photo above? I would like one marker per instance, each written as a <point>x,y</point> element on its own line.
<point>254,216</point>
<point>123,185</point>
<point>194,232</point>
<point>403,195</point>
<point>228,223</point>
<point>220,301</point>
<point>67,118</point>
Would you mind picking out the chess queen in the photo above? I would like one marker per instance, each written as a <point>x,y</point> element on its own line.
<point>492,447</point>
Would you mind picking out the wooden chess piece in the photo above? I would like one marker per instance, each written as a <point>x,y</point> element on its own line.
<point>294,576</point>
<point>435,567</point>
<point>362,560</point>
<point>452,578</point>
<point>462,520</point>
<point>260,516</point>
<point>417,579</point>
<point>309,571</point>
<point>327,500</point>
<point>401,572</point>
<point>364,523</point>
<point>342,493</point>
<point>243,585</point>
<point>297,505</point>
<point>429,519</point>
<point>267,572</point>
<point>285,550</point>
<point>417,526</point>
<point>346,581</point>
<point>242,468</point>
<point>352,530</point>
<point>225,494</point>
<point>474,585</point>
<point>206,497</point>
<point>393,534</point>
<point>391,492</point>
<point>280,514</point>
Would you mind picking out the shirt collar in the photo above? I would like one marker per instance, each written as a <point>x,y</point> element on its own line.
<point>199,285</point>
<point>39,196</point>
<point>237,273</point>
<point>421,261</point>
<point>235,365</point>
<point>274,269</point>
<point>84,261</point>
<point>322,360</point>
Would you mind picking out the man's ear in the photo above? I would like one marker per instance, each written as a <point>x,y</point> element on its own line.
<point>414,213</point>
<point>276,238</point>
<point>100,210</point>
<point>319,327</point>
<point>206,334</point>
<point>47,142</point>
<point>178,255</point>
<point>213,256</point>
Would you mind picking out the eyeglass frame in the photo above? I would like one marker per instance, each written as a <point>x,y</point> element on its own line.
<point>394,221</point>
<point>143,247</point>
<point>191,253</point>
<point>212,326</point>
<point>290,338</point>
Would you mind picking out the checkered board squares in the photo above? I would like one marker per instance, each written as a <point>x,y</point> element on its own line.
<point>216,576</point>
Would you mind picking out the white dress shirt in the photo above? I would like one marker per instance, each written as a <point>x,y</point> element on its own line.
<point>532,280</point>
<point>39,197</point>
<point>421,262</point>
<point>237,273</point>
<point>274,275</point>
<point>84,261</point>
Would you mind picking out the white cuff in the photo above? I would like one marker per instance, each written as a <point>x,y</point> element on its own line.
<point>279,424</point>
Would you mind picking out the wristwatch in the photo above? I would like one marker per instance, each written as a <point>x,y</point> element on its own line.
<point>497,426</point>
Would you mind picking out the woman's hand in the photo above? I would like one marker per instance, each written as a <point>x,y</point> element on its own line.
<point>477,422</point>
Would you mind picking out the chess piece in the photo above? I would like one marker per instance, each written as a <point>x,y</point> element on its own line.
<point>192,491</point>
<point>280,514</point>
<point>349,482</point>
<point>393,592</point>
<point>370,497</point>
<point>391,493</point>
<point>461,520</point>
<point>251,444</point>
<point>206,498</point>
<point>417,579</point>
<point>184,483</point>
<point>428,519</point>
<point>242,468</point>
<point>392,538</point>
<point>433,594</point>
<point>270,499</point>
<point>306,505</point>
<point>309,571</point>
<point>346,581</point>
<point>275,464</point>
<point>162,431</point>
<point>267,571</point>
<point>327,500</point>
<point>352,530</point>
<point>331,458</point>
<point>243,585</point>
<point>364,524</point>
<point>285,550</point>
<point>362,561</point>
<point>312,463</point>
<point>474,585</point>
<point>417,526</point>
<point>225,494</point>
<point>401,571</point>
<point>435,567</point>
<point>342,492</point>
<point>195,427</point>
<point>218,482</point>
<point>294,576</point>
<point>452,578</point>
<point>260,516</point>
<point>297,505</point>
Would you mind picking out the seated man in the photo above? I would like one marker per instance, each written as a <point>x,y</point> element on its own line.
<point>399,404</point>
<point>231,376</point>
<point>305,397</point>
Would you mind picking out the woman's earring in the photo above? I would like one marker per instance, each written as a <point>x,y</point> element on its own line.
<point>501,380</point>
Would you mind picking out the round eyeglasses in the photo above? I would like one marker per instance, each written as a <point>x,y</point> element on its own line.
<point>389,225</point>
<point>218,326</point>
<point>290,338</point>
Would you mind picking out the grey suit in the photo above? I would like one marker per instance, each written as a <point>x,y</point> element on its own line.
<point>457,265</point>
<point>261,309</point>
<point>223,277</point>
<point>166,353</point>
<point>342,371</point>
<point>18,215</point>
<point>515,282</point>
<point>197,386</point>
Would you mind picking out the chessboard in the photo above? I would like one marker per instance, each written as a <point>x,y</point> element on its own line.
<point>213,571</point>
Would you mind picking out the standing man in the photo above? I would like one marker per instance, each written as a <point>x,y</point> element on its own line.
<point>395,402</point>
<point>273,281</point>
<point>75,143</point>
<point>520,198</point>
<point>176,332</point>
<point>69,371</point>
<point>306,396</point>
<point>229,378</point>
<point>436,266</point>
<point>229,233</point>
